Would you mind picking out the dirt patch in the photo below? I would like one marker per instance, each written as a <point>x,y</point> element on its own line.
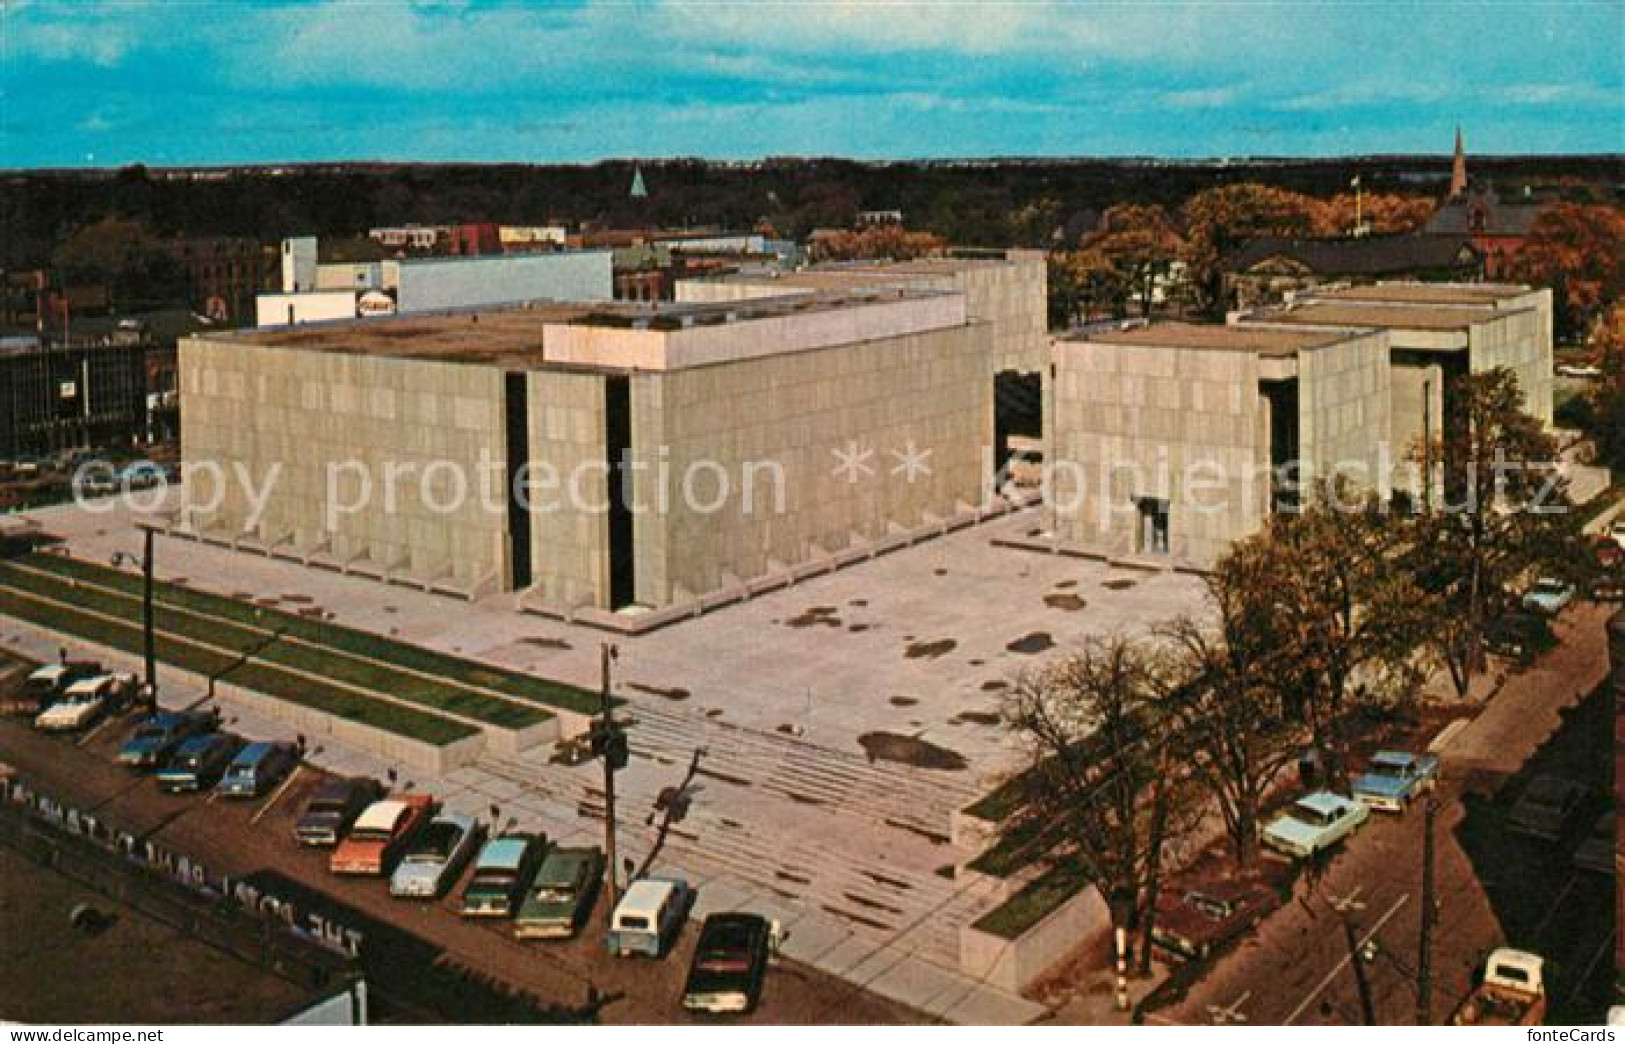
<point>1032,644</point>
<point>977,663</point>
<point>859,602</point>
<point>817,616</point>
<point>1066,585</point>
<point>857,628</point>
<point>974,717</point>
<point>1120,584</point>
<point>930,650</point>
<point>675,694</point>
<point>995,685</point>
<point>298,599</point>
<point>1067,601</point>
<point>903,701</point>
<point>546,643</point>
<point>939,571</point>
<point>910,750</point>
<point>713,712</point>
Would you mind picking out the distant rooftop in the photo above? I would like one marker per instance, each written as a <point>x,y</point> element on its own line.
<point>1426,293</point>
<point>1213,337</point>
<point>545,334</point>
<point>1389,316</point>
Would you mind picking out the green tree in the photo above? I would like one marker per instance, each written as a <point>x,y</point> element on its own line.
<point>1504,516</point>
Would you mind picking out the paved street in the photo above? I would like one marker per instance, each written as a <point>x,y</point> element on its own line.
<point>1493,888</point>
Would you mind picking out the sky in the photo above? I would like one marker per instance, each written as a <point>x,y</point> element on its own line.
<point>191,82</point>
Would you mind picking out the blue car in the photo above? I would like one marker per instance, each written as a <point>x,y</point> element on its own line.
<point>199,763</point>
<point>1395,778</point>
<point>157,737</point>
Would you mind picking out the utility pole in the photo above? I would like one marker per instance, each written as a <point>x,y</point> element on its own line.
<point>609,743</point>
<point>149,640</point>
<point>1357,961</point>
<point>1424,957</point>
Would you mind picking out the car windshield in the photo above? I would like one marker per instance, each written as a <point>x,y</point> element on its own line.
<point>635,922</point>
<point>502,879</point>
<point>555,893</point>
<point>1209,907</point>
<point>1312,815</point>
<point>1550,586</point>
<point>436,844</point>
<point>321,804</point>
<point>1392,769</point>
<point>150,732</point>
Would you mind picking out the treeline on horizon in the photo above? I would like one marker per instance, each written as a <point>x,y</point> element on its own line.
<point>972,202</point>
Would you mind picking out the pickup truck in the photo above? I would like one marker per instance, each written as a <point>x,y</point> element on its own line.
<point>1395,778</point>
<point>1511,993</point>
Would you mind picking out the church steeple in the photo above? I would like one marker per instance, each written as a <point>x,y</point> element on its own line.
<point>1458,169</point>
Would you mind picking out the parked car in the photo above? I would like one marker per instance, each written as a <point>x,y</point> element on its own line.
<point>1519,636</point>
<point>1314,823</point>
<point>333,808</point>
<point>46,684</point>
<point>86,702</point>
<point>1616,532</point>
<point>503,868</point>
<point>649,916</point>
<point>380,834</point>
<point>1598,851</point>
<point>257,768</point>
<point>1547,807</point>
<point>730,963</point>
<point>199,763</point>
<point>1579,370</point>
<point>1549,596</point>
<point>157,737</point>
<point>1196,921</point>
<point>1395,778</point>
<point>1512,992</point>
<point>436,857</point>
<point>142,474</point>
<point>561,895</point>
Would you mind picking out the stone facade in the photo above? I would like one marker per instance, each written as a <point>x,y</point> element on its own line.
<point>388,447</point>
<point>1188,420</point>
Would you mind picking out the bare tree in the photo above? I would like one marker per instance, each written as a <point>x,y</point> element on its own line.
<point>1101,788</point>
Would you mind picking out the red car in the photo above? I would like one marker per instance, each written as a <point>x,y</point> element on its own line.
<point>380,834</point>
<point>1194,922</point>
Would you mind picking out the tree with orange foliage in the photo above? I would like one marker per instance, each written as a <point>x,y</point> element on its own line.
<point>1387,214</point>
<point>875,242</point>
<point>1220,219</point>
<point>1141,243</point>
<point>1574,248</point>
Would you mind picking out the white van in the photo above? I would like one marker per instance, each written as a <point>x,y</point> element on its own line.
<point>649,916</point>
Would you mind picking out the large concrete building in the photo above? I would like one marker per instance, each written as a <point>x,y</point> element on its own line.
<point>671,452</point>
<point>1170,441</point>
<point>1006,290</point>
<point>1437,333</point>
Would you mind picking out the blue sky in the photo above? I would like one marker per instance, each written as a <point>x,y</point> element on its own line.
<point>185,82</point>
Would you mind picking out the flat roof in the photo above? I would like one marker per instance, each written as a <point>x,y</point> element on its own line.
<point>1425,293</point>
<point>516,336</point>
<point>1214,337</point>
<point>1378,315</point>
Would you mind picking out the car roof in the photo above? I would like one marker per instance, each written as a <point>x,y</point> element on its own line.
<point>645,897</point>
<point>50,671</point>
<point>562,864</point>
<point>256,751</point>
<point>197,743</point>
<point>504,852</point>
<point>1393,757</point>
<point>1322,801</point>
<point>381,815</point>
<point>87,686</point>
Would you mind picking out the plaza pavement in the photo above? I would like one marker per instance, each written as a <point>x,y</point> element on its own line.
<point>789,816</point>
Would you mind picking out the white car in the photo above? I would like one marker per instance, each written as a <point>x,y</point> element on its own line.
<point>1549,596</point>
<point>85,702</point>
<point>1314,823</point>
<point>1589,373</point>
<point>1616,532</point>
